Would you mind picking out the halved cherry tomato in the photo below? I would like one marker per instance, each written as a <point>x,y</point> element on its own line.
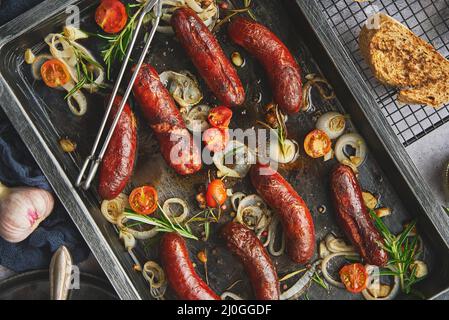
<point>216,194</point>
<point>55,73</point>
<point>317,144</point>
<point>111,16</point>
<point>354,277</point>
<point>216,139</point>
<point>220,117</point>
<point>143,200</point>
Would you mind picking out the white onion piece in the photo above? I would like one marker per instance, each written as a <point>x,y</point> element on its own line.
<point>68,56</point>
<point>228,294</point>
<point>140,235</point>
<point>77,101</point>
<point>291,153</point>
<point>374,279</point>
<point>37,65</point>
<point>238,196</point>
<point>55,41</point>
<point>272,235</point>
<point>299,287</point>
<point>332,123</point>
<point>155,276</point>
<point>336,245</point>
<point>183,87</point>
<point>112,209</point>
<point>197,118</point>
<point>128,240</point>
<point>355,141</point>
<point>326,261</point>
<point>243,159</point>
<point>253,212</point>
<point>185,210</point>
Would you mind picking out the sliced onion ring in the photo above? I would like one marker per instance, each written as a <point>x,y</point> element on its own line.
<point>154,274</point>
<point>326,261</point>
<point>336,245</point>
<point>238,196</point>
<point>140,235</point>
<point>374,278</point>
<point>77,102</point>
<point>196,118</point>
<point>185,210</point>
<point>112,209</point>
<point>37,64</point>
<point>272,230</point>
<point>290,154</point>
<point>243,157</point>
<point>183,87</point>
<point>332,123</point>
<point>355,141</point>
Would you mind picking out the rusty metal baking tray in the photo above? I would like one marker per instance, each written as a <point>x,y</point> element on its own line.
<point>40,117</point>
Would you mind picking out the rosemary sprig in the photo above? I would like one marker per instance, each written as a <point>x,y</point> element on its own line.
<point>206,217</point>
<point>281,132</point>
<point>84,70</point>
<point>402,250</point>
<point>115,51</point>
<point>163,224</point>
<point>319,281</point>
<point>233,12</point>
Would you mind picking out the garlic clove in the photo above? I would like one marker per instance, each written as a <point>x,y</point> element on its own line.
<point>60,274</point>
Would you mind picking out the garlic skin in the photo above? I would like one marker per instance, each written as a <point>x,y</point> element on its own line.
<point>22,210</point>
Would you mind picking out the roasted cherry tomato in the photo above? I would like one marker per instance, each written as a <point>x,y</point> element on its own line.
<point>220,117</point>
<point>143,200</point>
<point>111,16</point>
<point>55,73</point>
<point>216,139</point>
<point>317,144</point>
<point>216,194</point>
<point>354,277</point>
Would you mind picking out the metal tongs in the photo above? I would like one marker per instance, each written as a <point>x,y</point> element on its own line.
<point>92,159</point>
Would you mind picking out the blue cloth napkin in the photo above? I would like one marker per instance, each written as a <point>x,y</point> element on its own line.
<point>17,168</point>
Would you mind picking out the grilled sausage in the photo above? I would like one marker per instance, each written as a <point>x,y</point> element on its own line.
<point>291,208</point>
<point>179,270</point>
<point>247,247</point>
<point>118,163</point>
<point>354,218</point>
<point>162,115</point>
<point>282,69</point>
<point>208,57</point>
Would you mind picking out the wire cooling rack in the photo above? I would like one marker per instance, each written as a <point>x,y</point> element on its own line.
<point>429,19</point>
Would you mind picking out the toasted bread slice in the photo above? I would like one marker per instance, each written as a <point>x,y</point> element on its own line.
<point>401,59</point>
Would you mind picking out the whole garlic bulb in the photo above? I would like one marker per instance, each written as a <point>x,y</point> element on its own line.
<point>22,210</point>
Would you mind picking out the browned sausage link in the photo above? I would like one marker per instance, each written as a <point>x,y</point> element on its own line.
<point>281,67</point>
<point>296,219</point>
<point>354,218</point>
<point>208,57</point>
<point>247,247</point>
<point>180,272</point>
<point>118,162</point>
<point>161,113</point>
